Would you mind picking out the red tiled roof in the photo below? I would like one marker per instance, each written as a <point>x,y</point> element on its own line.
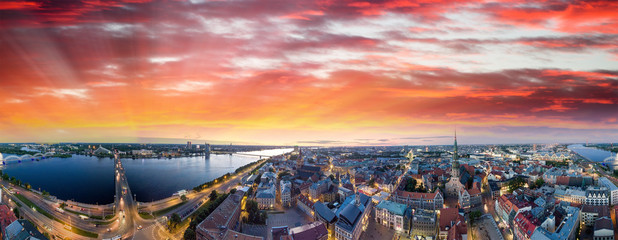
<point>417,195</point>
<point>474,191</point>
<point>222,216</point>
<point>456,232</point>
<point>526,223</point>
<point>448,217</point>
<point>6,216</point>
<point>562,180</point>
<point>305,200</point>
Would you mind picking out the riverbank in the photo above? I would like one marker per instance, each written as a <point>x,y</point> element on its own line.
<point>90,180</point>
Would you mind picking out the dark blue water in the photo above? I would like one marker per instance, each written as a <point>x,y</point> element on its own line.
<point>81,178</point>
<point>154,179</point>
<point>91,179</point>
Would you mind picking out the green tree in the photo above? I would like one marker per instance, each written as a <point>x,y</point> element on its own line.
<point>255,215</point>
<point>475,216</point>
<point>515,184</point>
<point>233,190</point>
<point>174,221</point>
<point>539,182</point>
<point>410,185</point>
<point>213,195</point>
<point>189,234</point>
<point>5,176</point>
<point>258,179</point>
<point>28,186</point>
<point>63,205</point>
<point>16,212</point>
<point>183,198</point>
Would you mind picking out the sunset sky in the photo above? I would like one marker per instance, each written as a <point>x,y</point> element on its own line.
<point>309,72</point>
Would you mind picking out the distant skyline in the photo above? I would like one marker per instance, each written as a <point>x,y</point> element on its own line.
<point>321,72</point>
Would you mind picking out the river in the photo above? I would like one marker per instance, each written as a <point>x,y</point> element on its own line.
<point>91,179</point>
<point>596,155</point>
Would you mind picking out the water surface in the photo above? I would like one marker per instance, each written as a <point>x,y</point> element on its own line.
<point>91,179</point>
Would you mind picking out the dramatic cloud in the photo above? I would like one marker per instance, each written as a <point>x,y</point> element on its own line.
<point>309,72</point>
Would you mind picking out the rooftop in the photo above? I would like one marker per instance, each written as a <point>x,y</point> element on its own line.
<point>608,184</point>
<point>393,207</point>
<point>311,231</point>
<point>323,211</point>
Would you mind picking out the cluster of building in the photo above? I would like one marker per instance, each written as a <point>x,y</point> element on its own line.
<point>432,193</point>
<point>17,229</point>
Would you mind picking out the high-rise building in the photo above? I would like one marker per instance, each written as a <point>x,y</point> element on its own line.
<point>206,149</point>
<point>188,144</point>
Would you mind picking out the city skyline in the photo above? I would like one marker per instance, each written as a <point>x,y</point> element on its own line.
<point>309,72</point>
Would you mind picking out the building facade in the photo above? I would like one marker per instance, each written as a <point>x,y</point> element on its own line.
<point>424,224</point>
<point>416,200</point>
<point>393,215</point>
<point>613,190</point>
<point>353,218</point>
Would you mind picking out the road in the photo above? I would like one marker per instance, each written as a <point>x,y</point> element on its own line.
<point>46,224</point>
<point>195,198</point>
<point>156,230</point>
<point>125,208</point>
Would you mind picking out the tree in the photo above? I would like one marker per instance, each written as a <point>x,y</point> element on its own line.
<point>255,215</point>
<point>174,221</point>
<point>474,216</point>
<point>28,186</point>
<point>213,195</point>
<point>5,176</point>
<point>410,185</point>
<point>233,190</point>
<point>258,179</point>
<point>539,182</point>
<point>63,205</point>
<point>16,212</point>
<point>45,193</point>
<point>515,184</point>
<point>183,198</point>
<point>189,234</point>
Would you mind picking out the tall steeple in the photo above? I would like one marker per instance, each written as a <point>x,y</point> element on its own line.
<point>455,156</point>
<point>455,164</point>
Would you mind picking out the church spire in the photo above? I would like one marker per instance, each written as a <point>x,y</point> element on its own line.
<point>455,156</point>
<point>455,164</point>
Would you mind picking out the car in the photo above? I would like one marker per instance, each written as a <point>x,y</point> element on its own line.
<point>109,230</point>
<point>139,227</point>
